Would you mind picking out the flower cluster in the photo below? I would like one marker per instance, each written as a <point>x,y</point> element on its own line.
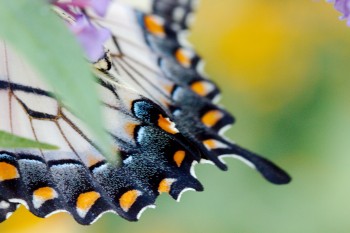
<point>89,36</point>
<point>344,7</point>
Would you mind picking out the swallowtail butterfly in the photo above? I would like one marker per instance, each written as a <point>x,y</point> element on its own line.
<point>160,110</point>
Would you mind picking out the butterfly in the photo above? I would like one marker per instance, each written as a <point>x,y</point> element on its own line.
<point>161,111</point>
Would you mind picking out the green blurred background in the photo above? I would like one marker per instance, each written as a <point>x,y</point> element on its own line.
<point>282,67</point>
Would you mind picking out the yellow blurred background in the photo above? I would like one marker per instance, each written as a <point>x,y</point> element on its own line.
<point>282,67</point>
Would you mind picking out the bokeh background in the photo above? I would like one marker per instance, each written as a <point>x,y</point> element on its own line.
<point>283,68</point>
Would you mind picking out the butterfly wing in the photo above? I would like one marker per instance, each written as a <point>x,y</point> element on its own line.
<point>178,14</point>
<point>77,178</point>
<point>160,66</point>
<point>159,109</point>
<point>6,209</point>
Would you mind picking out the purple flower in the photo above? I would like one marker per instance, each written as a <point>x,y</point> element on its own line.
<point>344,7</point>
<point>91,37</point>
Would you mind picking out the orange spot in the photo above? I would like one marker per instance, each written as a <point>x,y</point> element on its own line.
<point>167,125</point>
<point>92,160</point>
<point>153,25</point>
<point>212,117</point>
<point>87,200</point>
<point>168,88</point>
<point>130,129</point>
<point>45,193</point>
<point>165,185</point>
<point>199,88</point>
<point>179,157</point>
<point>210,143</point>
<point>182,58</point>
<point>128,199</point>
<point>8,171</point>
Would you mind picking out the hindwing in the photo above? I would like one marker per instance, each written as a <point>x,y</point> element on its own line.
<point>159,108</point>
